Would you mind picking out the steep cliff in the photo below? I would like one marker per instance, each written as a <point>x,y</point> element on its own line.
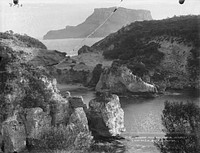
<point>120,18</point>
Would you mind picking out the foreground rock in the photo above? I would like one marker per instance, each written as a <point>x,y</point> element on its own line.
<point>106,117</point>
<point>120,80</point>
<point>78,125</point>
<point>13,135</point>
<point>29,128</point>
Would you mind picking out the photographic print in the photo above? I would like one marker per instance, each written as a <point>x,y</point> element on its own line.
<point>100,76</point>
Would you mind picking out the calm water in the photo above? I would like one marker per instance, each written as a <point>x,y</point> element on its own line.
<point>70,46</point>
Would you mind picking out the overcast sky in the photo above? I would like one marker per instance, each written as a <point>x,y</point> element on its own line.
<point>36,17</point>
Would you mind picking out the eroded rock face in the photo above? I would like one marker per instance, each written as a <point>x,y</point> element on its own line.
<point>76,102</point>
<point>69,71</point>
<point>78,125</point>
<point>120,80</point>
<point>106,117</point>
<point>13,135</point>
<point>34,120</point>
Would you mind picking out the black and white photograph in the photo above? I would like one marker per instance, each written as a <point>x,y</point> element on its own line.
<point>99,76</point>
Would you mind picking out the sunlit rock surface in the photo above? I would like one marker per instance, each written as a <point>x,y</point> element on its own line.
<point>79,130</point>
<point>13,135</point>
<point>121,80</point>
<point>106,117</point>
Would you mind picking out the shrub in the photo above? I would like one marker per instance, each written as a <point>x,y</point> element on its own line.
<point>56,138</point>
<point>31,42</point>
<point>182,127</point>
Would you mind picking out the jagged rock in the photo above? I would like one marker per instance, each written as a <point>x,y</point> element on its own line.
<point>120,80</point>
<point>76,101</point>
<point>59,109</point>
<point>79,130</point>
<point>67,94</point>
<point>96,73</point>
<point>106,117</point>
<point>35,119</point>
<point>47,58</point>
<point>13,135</point>
<point>71,72</point>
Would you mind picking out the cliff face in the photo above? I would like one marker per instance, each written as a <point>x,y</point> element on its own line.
<point>120,18</point>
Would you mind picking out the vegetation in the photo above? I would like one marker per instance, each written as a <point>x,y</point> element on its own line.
<point>182,128</point>
<point>27,40</point>
<point>55,138</point>
<point>137,46</point>
<point>194,65</point>
<point>21,84</point>
<point>184,28</point>
<point>138,56</point>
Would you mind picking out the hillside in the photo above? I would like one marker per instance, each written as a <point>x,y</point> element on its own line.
<point>119,19</point>
<point>165,52</point>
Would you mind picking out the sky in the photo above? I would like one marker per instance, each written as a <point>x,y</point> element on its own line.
<point>37,17</point>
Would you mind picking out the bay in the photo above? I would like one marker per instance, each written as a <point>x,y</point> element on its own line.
<point>69,46</point>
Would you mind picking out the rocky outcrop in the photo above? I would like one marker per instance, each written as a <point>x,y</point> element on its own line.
<point>47,58</point>
<point>26,127</point>
<point>71,72</point>
<point>78,125</point>
<point>84,49</point>
<point>121,80</point>
<point>105,115</point>
<point>34,120</point>
<point>120,18</point>
<point>96,73</point>
<point>13,135</point>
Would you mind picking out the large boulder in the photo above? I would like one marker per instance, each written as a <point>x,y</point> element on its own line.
<point>35,119</point>
<point>79,130</point>
<point>121,80</point>
<point>76,102</point>
<point>106,117</point>
<point>13,135</point>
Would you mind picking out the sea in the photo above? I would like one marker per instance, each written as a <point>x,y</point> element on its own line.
<point>142,115</point>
